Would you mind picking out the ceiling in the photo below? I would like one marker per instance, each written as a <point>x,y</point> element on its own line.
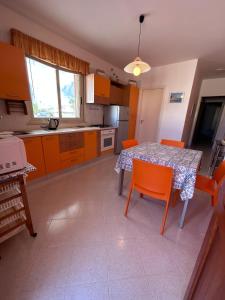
<point>173,31</point>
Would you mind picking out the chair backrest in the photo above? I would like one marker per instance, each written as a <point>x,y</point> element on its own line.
<point>219,173</point>
<point>154,180</point>
<point>173,143</point>
<point>129,143</point>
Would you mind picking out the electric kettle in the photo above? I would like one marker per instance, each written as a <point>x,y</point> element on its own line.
<point>53,124</point>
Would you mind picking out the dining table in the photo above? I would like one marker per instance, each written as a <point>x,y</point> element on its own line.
<point>185,164</point>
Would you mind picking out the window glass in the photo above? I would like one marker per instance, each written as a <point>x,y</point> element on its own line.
<point>69,94</point>
<point>43,89</point>
<point>54,93</point>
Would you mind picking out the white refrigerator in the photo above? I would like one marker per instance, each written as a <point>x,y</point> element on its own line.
<point>117,116</point>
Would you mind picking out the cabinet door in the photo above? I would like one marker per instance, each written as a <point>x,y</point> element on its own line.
<point>51,152</point>
<point>133,106</point>
<point>13,74</point>
<point>71,141</point>
<point>101,86</point>
<point>116,95</point>
<point>35,156</point>
<point>126,96</point>
<point>71,158</point>
<point>90,145</point>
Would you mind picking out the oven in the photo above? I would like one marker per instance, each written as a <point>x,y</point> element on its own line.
<point>107,139</point>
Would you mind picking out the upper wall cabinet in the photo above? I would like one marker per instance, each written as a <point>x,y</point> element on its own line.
<point>116,94</point>
<point>13,74</point>
<point>97,89</point>
<point>131,95</point>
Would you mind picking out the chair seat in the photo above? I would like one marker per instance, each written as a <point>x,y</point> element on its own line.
<point>205,184</point>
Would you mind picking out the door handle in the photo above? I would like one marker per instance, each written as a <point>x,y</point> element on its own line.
<point>142,121</point>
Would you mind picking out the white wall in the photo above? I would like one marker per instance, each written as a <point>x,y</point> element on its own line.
<point>212,87</point>
<point>10,19</point>
<point>177,77</point>
<point>188,132</point>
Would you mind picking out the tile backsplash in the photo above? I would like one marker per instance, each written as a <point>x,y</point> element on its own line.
<point>93,114</point>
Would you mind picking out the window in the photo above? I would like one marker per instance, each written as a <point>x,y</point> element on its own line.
<point>54,93</point>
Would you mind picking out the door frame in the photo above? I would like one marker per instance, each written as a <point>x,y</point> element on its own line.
<point>140,107</point>
<point>205,99</point>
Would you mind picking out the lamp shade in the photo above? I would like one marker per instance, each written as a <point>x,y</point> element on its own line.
<point>137,67</point>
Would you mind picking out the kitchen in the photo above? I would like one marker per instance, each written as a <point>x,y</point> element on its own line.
<point>55,147</point>
<point>88,141</point>
<point>65,109</point>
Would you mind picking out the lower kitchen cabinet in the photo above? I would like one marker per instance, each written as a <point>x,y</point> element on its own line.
<point>71,147</point>
<point>90,145</point>
<point>35,156</point>
<point>51,153</point>
<point>71,158</point>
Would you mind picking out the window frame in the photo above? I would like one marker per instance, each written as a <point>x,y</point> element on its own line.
<point>35,120</point>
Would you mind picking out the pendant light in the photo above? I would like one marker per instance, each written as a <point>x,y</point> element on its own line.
<point>138,66</point>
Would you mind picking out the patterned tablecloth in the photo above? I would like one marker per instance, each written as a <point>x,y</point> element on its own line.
<point>185,163</point>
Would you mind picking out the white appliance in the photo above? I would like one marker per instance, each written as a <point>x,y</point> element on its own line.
<point>107,139</point>
<point>12,154</point>
<point>117,116</point>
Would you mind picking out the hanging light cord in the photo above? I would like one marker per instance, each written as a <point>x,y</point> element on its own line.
<point>139,40</point>
<point>141,20</point>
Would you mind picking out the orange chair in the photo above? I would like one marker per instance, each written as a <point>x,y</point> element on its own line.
<point>152,180</point>
<point>211,185</point>
<point>129,143</point>
<point>173,143</point>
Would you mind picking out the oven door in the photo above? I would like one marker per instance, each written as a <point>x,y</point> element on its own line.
<point>107,142</point>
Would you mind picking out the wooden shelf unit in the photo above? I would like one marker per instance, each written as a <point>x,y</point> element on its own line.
<point>14,208</point>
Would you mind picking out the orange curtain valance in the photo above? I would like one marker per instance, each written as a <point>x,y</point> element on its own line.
<point>41,50</point>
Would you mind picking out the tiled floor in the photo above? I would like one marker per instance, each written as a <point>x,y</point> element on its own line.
<point>87,249</point>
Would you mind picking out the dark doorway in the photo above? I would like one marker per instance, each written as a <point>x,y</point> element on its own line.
<point>208,120</point>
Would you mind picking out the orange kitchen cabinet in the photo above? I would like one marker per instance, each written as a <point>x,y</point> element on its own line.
<point>35,156</point>
<point>90,145</point>
<point>97,89</point>
<point>50,145</point>
<point>71,158</point>
<point>133,107</point>
<point>101,86</point>
<point>13,74</point>
<point>116,95</point>
<point>71,148</point>
<point>130,99</point>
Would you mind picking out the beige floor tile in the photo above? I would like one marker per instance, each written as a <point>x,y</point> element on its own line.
<point>130,289</point>
<point>87,249</point>
<point>95,291</point>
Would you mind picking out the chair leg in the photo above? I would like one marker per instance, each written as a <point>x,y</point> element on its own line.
<point>128,201</point>
<point>164,218</point>
<point>141,195</point>
<point>175,197</point>
<point>213,200</point>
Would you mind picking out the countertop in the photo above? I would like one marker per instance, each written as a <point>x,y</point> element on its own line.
<point>42,132</point>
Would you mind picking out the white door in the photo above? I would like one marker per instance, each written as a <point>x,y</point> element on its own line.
<point>150,108</point>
